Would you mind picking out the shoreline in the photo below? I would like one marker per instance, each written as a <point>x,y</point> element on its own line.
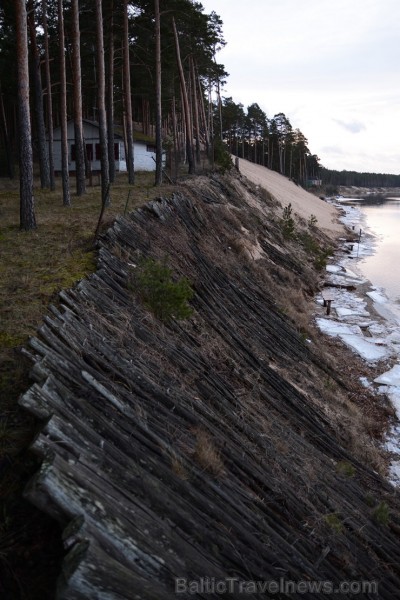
<point>363,320</point>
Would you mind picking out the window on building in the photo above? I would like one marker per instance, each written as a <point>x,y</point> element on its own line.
<point>116,151</point>
<point>98,152</point>
<point>151,148</point>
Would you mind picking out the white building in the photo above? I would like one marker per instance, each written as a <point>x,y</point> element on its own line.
<point>144,151</point>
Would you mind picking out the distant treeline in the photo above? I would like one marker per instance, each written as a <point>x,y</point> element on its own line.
<point>330,177</point>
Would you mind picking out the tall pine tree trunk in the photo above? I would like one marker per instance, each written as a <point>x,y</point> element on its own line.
<point>203,116</point>
<point>27,203</point>
<point>101,89</point>
<point>63,109</point>
<point>158,179</point>
<point>77,89</point>
<point>110,95</point>
<point>195,110</point>
<point>127,100</point>
<point>185,100</point>
<point>175,138</point>
<point>211,121</point>
<point>49,103</point>
<point>38,104</point>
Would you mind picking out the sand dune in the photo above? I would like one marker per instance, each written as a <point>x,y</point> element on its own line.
<point>287,192</point>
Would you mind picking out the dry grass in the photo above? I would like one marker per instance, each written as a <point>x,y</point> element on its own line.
<point>206,454</point>
<point>178,467</point>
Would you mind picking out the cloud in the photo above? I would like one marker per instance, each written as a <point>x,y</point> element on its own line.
<point>332,150</point>
<point>352,126</point>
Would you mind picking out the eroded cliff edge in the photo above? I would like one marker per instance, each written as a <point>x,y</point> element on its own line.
<point>223,446</point>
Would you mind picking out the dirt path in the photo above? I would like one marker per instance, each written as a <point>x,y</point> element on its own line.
<point>303,203</point>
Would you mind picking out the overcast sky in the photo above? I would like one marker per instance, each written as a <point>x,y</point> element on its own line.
<point>332,66</point>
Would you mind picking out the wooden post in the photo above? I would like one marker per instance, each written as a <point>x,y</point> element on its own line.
<point>328,307</point>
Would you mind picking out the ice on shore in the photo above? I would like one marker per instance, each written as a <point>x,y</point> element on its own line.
<point>391,377</point>
<point>370,349</point>
<point>367,349</point>
<point>334,328</point>
<point>394,473</point>
<point>351,312</point>
<point>374,339</point>
<point>333,268</point>
<point>377,297</point>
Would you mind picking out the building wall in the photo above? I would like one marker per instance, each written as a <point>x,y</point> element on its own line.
<point>144,153</point>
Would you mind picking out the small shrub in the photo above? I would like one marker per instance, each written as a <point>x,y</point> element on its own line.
<point>287,222</point>
<point>334,522</point>
<point>321,259</point>
<point>381,514</point>
<point>345,468</point>
<point>312,222</point>
<point>165,298</point>
<point>303,337</point>
<point>222,156</point>
<point>370,500</point>
<point>310,245</point>
<point>329,383</point>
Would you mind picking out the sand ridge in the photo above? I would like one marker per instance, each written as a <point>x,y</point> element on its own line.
<point>287,192</point>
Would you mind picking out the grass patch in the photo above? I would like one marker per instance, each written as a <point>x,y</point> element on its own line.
<point>334,522</point>
<point>206,454</point>
<point>345,469</point>
<point>381,514</point>
<point>36,265</point>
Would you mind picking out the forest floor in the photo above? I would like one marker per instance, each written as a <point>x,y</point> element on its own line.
<point>34,267</point>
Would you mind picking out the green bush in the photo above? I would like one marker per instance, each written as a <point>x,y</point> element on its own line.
<point>381,514</point>
<point>345,468</point>
<point>163,296</point>
<point>321,259</point>
<point>312,247</point>
<point>334,522</point>
<point>287,222</point>
<point>222,156</point>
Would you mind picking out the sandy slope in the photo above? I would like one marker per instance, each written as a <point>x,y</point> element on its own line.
<point>303,203</point>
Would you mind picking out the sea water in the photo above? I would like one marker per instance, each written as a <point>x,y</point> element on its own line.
<point>382,267</point>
